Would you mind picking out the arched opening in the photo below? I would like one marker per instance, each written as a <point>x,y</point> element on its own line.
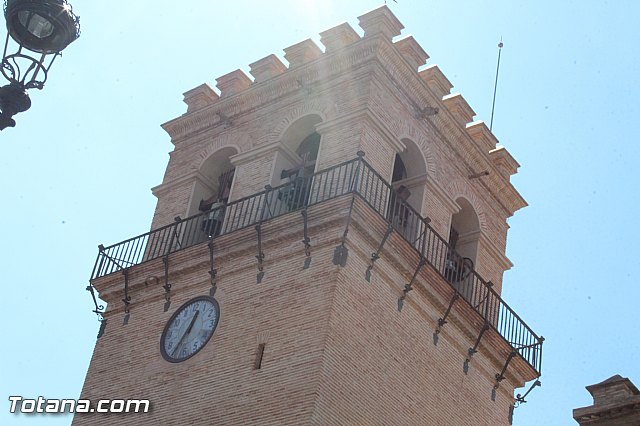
<point>464,235</point>
<point>465,230</point>
<point>407,180</point>
<point>296,163</point>
<point>302,139</point>
<point>410,172</point>
<point>213,189</point>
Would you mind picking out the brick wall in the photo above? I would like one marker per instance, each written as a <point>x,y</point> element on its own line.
<point>337,351</point>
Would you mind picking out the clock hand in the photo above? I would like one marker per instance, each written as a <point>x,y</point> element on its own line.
<point>193,320</point>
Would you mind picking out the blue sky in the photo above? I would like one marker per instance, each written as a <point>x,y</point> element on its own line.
<point>77,169</point>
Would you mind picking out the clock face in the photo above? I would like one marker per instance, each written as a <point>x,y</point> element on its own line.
<point>189,329</point>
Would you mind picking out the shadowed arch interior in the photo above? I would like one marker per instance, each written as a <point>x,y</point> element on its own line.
<point>216,185</point>
<point>302,139</point>
<point>465,230</point>
<point>410,173</point>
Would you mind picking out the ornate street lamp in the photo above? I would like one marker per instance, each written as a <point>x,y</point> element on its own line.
<point>41,29</point>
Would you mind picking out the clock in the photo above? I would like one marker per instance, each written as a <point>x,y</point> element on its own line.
<point>189,329</point>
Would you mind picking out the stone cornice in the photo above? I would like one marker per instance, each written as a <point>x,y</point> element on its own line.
<point>368,114</point>
<point>261,150</point>
<point>412,181</point>
<point>487,246</point>
<point>627,409</point>
<point>434,187</point>
<point>503,261</point>
<point>468,237</point>
<point>165,187</point>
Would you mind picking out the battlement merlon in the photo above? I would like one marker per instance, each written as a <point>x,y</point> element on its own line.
<point>380,21</point>
<point>503,160</point>
<point>459,108</point>
<point>338,37</point>
<point>302,53</point>
<point>412,52</point>
<point>232,83</point>
<point>199,97</point>
<point>267,68</point>
<point>436,80</point>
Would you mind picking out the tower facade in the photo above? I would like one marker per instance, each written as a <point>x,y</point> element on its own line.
<point>616,402</point>
<point>327,248</point>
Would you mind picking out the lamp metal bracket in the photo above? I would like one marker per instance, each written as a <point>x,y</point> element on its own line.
<point>103,326</point>
<point>376,255</point>
<point>472,351</point>
<point>166,286</point>
<point>500,376</point>
<point>520,399</point>
<point>443,320</point>
<point>408,287</point>
<point>213,272</point>
<point>99,310</point>
<point>306,240</point>
<point>341,252</point>
<point>127,298</point>
<point>174,235</point>
<point>260,255</point>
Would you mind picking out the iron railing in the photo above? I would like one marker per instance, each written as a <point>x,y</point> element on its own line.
<point>352,177</point>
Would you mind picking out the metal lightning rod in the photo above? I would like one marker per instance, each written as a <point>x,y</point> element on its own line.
<point>495,87</point>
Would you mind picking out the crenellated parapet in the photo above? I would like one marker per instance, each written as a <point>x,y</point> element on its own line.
<point>306,68</point>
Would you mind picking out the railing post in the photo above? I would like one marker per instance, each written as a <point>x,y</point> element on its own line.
<point>356,179</point>
<point>97,267</point>
<point>488,287</point>
<point>539,366</point>
<point>177,220</point>
<point>425,224</point>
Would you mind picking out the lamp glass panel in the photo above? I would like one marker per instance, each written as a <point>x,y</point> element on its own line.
<point>35,24</point>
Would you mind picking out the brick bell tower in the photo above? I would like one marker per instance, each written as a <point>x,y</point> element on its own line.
<point>327,248</point>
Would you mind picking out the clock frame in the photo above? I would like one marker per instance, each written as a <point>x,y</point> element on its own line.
<point>189,329</point>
